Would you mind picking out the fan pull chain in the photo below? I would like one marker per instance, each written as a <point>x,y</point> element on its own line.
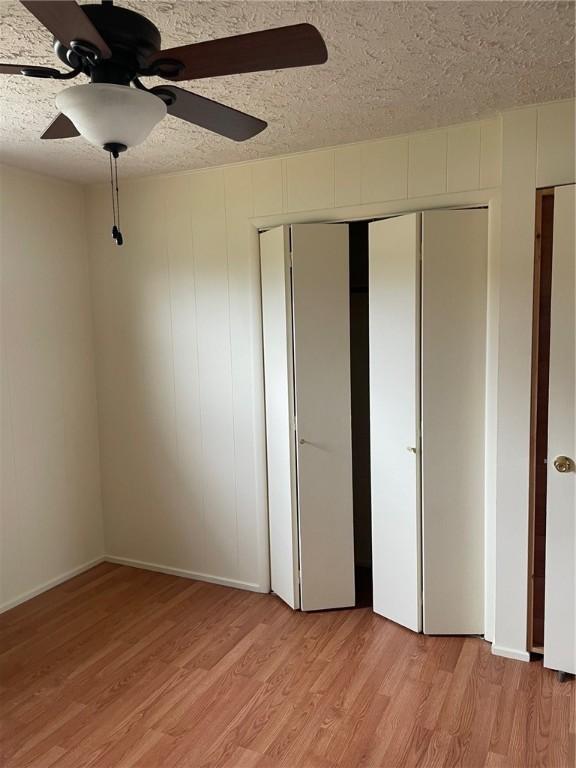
<point>113,201</point>
<point>119,238</point>
<point>116,233</point>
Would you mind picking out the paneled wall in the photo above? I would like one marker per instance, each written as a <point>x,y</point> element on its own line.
<point>457,159</point>
<point>178,334</point>
<point>177,317</point>
<point>50,505</point>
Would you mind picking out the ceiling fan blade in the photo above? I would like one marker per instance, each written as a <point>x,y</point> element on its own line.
<point>60,128</point>
<point>66,20</point>
<point>27,69</point>
<point>298,45</point>
<point>211,115</point>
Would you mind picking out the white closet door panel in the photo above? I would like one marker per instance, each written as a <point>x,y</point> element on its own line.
<point>278,382</point>
<point>394,254</point>
<point>320,280</point>
<point>560,600</point>
<point>454,273</point>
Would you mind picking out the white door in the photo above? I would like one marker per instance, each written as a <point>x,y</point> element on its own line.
<point>279,397</point>
<point>321,322</point>
<point>427,367</point>
<point>394,296</point>
<point>454,290</point>
<point>560,599</point>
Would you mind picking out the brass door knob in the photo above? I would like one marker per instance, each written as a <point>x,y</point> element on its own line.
<point>563,464</point>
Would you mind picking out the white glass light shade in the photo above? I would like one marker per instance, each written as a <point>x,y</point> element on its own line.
<point>105,113</point>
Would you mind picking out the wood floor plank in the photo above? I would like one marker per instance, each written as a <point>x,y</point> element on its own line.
<point>125,668</point>
<point>408,747</point>
<point>242,758</point>
<point>264,717</point>
<point>504,717</point>
<point>520,732</point>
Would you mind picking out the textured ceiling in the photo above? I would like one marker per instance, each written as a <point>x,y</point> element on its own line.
<point>393,67</point>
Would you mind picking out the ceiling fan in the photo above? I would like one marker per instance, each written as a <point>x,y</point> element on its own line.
<point>115,47</point>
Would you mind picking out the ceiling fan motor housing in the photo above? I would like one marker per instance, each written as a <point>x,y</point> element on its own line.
<point>132,38</point>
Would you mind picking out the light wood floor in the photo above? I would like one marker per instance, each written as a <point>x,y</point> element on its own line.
<point>121,667</point>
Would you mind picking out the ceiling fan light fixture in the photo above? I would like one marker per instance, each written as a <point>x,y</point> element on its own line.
<point>111,114</point>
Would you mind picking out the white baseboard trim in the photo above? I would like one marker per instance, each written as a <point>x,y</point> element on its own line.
<point>497,650</point>
<point>50,584</point>
<point>186,574</point>
<point>510,653</point>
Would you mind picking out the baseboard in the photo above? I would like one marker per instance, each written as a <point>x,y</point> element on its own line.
<point>132,564</point>
<point>186,574</point>
<point>510,653</point>
<point>50,584</point>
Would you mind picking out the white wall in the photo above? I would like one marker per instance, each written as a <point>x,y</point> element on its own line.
<point>179,367</point>
<point>50,515</point>
<point>178,332</point>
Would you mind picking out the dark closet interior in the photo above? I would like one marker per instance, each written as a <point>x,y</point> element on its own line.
<point>360,391</point>
<point>539,414</point>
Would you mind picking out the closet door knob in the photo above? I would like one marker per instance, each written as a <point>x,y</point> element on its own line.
<point>563,464</point>
<point>303,442</point>
<point>410,449</point>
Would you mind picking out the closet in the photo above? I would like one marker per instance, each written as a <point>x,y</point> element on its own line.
<point>552,576</point>
<point>421,469</point>
<point>360,392</point>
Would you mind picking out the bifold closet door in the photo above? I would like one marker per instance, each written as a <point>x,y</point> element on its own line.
<point>454,291</point>
<point>321,321</point>
<point>427,395</point>
<point>279,401</point>
<point>560,598</point>
<point>306,335</point>
<point>394,312</point>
